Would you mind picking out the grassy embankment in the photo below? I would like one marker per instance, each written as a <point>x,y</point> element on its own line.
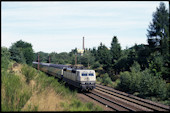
<point>26,89</point>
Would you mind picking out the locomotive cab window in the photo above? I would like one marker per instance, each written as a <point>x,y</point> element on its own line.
<point>84,74</point>
<point>90,74</point>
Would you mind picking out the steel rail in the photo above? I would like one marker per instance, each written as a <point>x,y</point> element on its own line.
<point>150,104</point>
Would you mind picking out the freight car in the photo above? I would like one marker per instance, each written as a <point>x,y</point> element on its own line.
<point>84,79</point>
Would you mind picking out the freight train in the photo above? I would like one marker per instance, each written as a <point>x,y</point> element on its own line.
<point>83,79</point>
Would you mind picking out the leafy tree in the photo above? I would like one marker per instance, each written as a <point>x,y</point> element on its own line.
<point>125,81</point>
<point>152,85</point>
<point>143,82</point>
<point>22,52</point>
<point>87,59</point>
<point>156,64</point>
<point>16,54</point>
<point>106,79</point>
<point>29,55</point>
<point>135,67</point>
<point>122,64</point>
<point>53,56</point>
<point>96,65</point>
<point>43,57</point>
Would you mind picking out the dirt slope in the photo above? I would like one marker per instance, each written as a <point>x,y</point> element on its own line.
<point>45,101</point>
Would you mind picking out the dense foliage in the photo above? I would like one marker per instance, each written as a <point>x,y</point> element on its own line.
<point>143,82</point>
<point>22,52</point>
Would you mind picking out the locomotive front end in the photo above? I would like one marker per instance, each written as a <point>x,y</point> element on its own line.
<point>87,79</point>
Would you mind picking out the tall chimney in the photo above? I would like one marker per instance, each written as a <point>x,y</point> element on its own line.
<point>83,43</point>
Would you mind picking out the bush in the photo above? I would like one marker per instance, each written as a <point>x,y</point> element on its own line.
<point>96,65</point>
<point>29,72</point>
<point>152,85</point>
<point>105,79</point>
<point>5,57</point>
<point>125,81</point>
<point>143,82</point>
<point>99,79</point>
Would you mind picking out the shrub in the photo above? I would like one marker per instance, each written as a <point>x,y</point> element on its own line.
<point>106,79</point>
<point>5,55</point>
<point>143,82</point>
<point>152,85</point>
<point>125,81</point>
<point>29,72</point>
<point>96,65</point>
<point>99,79</point>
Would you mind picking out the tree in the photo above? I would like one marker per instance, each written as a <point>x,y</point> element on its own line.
<point>158,37</point>
<point>158,32</point>
<point>115,52</point>
<point>53,56</point>
<point>104,57</point>
<point>22,52</point>
<point>87,59</point>
<point>43,57</point>
<point>16,54</point>
<point>115,49</point>
<point>143,53</point>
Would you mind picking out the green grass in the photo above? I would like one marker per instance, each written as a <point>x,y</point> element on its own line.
<point>15,93</point>
<point>77,105</point>
<point>43,81</point>
<point>29,72</point>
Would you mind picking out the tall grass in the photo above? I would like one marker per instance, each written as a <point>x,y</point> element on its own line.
<point>65,93</point>
<point>15,94</point>
<point>29,72</point>
<point>77,105</point>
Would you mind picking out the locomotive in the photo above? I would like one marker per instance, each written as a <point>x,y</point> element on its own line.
<point>83,79</point>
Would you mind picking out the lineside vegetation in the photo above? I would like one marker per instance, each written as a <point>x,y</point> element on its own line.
<point>16,88</point>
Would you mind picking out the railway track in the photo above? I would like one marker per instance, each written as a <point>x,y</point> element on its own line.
<point>120,101</point>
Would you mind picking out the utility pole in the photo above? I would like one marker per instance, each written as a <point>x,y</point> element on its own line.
<point>49,59</point>
<point>38,62</point>
<point>75,60</point>
<point>83,43</point>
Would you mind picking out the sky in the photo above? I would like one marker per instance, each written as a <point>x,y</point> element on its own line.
<point>61,26</point>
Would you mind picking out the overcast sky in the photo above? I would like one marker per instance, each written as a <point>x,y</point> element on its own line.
<point>60,26</point>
